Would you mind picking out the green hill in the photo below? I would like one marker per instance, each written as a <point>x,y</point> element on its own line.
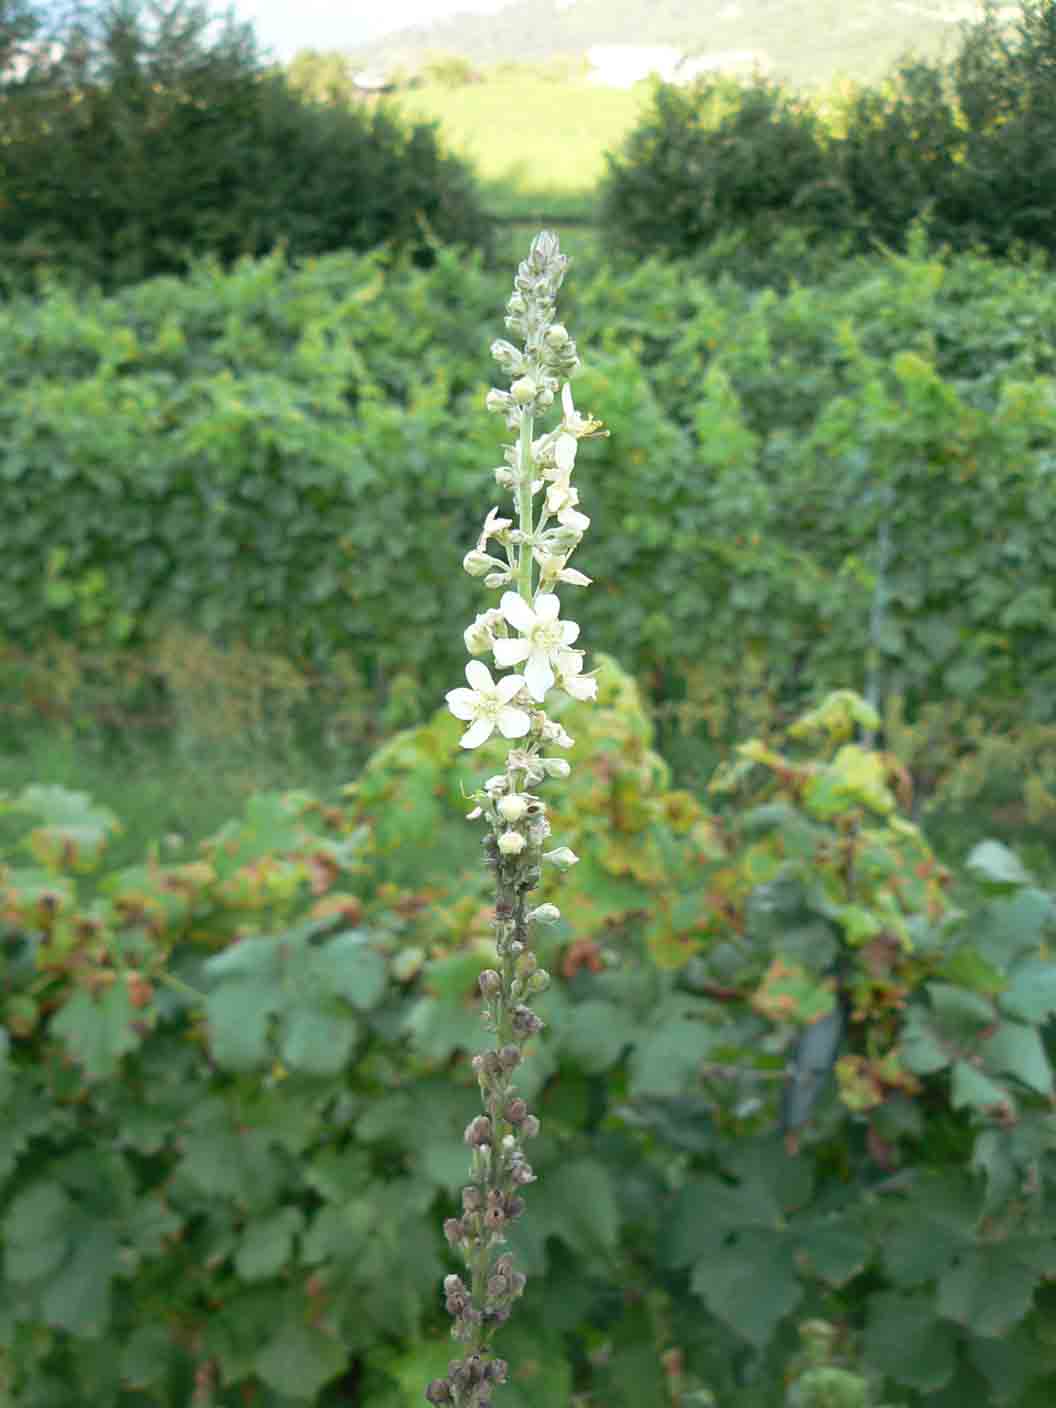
<point>806,43</point>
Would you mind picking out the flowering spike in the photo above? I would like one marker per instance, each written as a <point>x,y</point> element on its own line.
<point>525,633</point>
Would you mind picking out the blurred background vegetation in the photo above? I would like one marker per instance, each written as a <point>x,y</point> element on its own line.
<point>149,149</point>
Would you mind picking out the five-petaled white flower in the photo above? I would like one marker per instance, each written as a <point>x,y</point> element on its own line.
<point>486,706</point>
<point>571,678</point>
<point>543,638</point>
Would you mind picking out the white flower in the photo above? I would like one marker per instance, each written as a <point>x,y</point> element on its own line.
<point>494,527</point>
<point>512,843</point>
<point>480,636</point>
<point>563,858</point>
<point>486,705</point>
<point>553,732</point>
<point>555,767</point>
<point>580,427</point>
<point>571,678</point>
<point>542,638</point>
<point>571,518</point>
<point>574,578</point>
<point>561,495</point>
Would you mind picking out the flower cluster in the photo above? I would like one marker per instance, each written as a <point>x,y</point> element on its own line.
<point>526,634</point>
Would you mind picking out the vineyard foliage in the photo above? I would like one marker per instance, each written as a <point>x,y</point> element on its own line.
<point>867,459</point>
<point>236,1089</point>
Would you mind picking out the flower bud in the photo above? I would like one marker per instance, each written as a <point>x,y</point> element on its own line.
<point>512,843</point>
<point>556,335</point>
<point>562,857</point>
<point>490,983</point>
<point>438,1392</point>
<point>539,982</point>
<point>453,1230</point>
<point>477,563</point>
<point>472,1199</point>
<point>524,390</point>
<point>478,1132</point>
<point>453,1286</point>
<point>510,1058</point>
<point>527,965</point>
<point>496,1371</point>
<point>530,1127</point>
<point>545,914</point>
<point>513,807</point>
<point>522,1175</point>
<point>508,357</point>
<point>525,1023</point>
<point>555,767</point>
<point>498,579</point>
<point>516,1111</point>
<point>497,400</point>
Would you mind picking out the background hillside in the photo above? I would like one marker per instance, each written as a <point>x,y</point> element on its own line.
<point>806,43</point>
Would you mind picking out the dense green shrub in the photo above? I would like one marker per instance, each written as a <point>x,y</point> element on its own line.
<point>969,144</point>
<point>153,138</point>
<point>704,161</point>
<point>234,1093</point>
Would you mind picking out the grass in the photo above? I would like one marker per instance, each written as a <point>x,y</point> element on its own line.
<point>537,140</point>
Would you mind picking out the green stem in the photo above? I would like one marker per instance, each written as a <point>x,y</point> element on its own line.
<point>524,506</point>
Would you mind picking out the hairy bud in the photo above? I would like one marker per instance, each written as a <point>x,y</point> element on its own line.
<point>478,1132</point>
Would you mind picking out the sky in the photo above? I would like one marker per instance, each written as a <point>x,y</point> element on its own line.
<point>284,26</point>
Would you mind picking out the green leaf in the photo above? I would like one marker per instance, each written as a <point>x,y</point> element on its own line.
<point>77,1298</point>
<point>954,1025</point>
<point>1010,926</point>
<point>317,1042</point>
<point>683,1121</point>
<point>994,864</point>
<point>922,1050</point>
<point>672,1048</point>
<point>1031,994</point>
<point>1016,1050</point>
<point>960,1014</point>
<point>596,1034</point>
<point>300,1360</point>
<point>750,1284</point>
<point>36,1232</point>
<point>351,969</point>
<point>338,1233</point>
<point>923,1230</point>
<point>971,1087</point>
<point>239,1014</point>
<point>583,1206</point>
<point>904,1341</point>
<point>248,958</point>
<point>146,1357</point>
<point>837,1247</point>
<point>988,1290</point>
<point>98,1031</point>
<point>1007,1364</point>
<point>267,1243</point>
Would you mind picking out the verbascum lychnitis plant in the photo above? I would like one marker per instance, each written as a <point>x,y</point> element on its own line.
<point>525,634</point>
